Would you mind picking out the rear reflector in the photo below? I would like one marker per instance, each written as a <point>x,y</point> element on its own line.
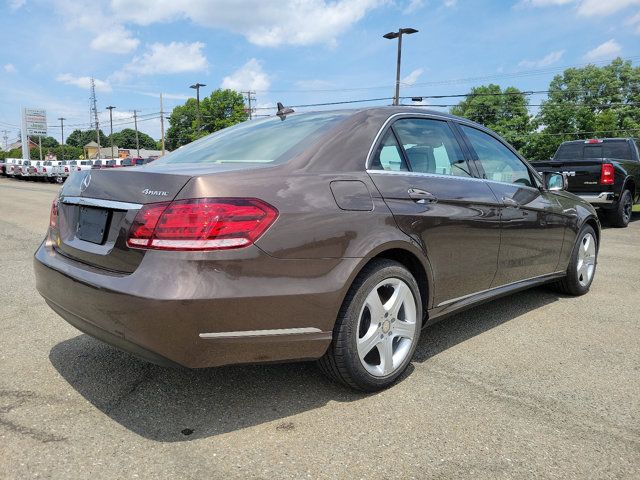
<point>606,174</point>
<point>53,216</point>
<point>201,224</point>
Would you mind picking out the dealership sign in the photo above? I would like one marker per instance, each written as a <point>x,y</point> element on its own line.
<point>35,121</point>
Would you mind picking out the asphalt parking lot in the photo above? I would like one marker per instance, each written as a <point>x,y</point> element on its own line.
<point>535,385</point>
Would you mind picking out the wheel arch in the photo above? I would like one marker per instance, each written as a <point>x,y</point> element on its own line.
<point>412,259</point>
<point>593,223</point>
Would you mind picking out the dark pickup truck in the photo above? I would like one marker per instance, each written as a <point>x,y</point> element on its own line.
<point>604,172</point>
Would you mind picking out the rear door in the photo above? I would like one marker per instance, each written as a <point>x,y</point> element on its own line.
<point>420,169</point>
<point>533,222</point>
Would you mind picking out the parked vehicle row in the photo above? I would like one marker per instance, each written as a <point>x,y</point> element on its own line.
<point>59,170</point>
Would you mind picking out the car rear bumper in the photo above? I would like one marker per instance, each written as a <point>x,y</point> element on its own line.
<point>253,312</point>
<point>605,198</point>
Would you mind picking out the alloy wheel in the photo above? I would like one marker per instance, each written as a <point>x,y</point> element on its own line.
<point>586,259</point>
<point>386,327</point>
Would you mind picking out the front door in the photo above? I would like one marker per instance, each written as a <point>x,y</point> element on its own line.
<point>533,223</point>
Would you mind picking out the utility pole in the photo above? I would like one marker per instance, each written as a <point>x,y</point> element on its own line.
<point>5,137</point>
<point>94,110</point>
<point>162,123</point>
<point>40,145</point>
<point>135,122</point>
<point>197,86</point>
<point>62,119</point>
<point>398,35</point>
<point>250,97</point>
<point>110,108</point>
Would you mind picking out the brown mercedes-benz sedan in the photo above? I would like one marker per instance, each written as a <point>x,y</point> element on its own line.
<point>331,235</point>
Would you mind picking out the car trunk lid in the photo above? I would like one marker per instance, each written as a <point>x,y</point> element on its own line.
<point>97,207</point>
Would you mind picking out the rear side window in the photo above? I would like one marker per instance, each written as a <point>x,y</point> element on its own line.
<point>498,162</point>
<point>388,155</point>
<point>431,147</point>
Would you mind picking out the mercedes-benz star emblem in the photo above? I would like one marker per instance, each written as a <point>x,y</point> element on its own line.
<point>85,183</point>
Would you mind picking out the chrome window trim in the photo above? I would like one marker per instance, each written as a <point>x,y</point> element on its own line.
<point>432,116</point>
<point>261,333</point>
<point>423,174</point>
<point>102,203</point>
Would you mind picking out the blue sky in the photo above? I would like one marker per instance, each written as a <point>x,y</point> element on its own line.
<point>297,52</point>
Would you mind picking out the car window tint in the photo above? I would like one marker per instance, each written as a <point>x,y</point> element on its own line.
<point>499,163</point>
<point>431,147</point>
<point>388,155</point>
<point>619,149</point>
<point>569,151</point>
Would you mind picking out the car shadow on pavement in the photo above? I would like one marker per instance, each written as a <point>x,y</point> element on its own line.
<point>172,405</point>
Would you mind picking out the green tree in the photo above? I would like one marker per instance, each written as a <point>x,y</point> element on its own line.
<point>505,112</point>
<point>588,102</point>
<point>221,109</point>
<point>79,138</point>
<point>126,138</point>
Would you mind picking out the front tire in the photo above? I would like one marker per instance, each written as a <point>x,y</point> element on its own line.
<point>621,214</point>
<point>377,329</point>
<point>582,266</point>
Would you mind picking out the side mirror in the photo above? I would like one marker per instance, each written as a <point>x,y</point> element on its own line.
<point>556,181</point>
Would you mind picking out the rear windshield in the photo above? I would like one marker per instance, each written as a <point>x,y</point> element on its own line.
<point>608,149</point>
<point>110,162</point>
<point>262,141</point>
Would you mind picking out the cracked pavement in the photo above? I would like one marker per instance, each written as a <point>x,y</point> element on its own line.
<point>535,385</point>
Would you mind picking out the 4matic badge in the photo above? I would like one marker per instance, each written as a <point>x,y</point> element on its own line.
<point>157,193</point>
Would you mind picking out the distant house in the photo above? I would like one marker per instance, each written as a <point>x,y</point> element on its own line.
<point>91,151</point>
<point>144,153</point>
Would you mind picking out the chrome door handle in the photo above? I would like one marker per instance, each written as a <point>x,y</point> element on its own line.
<point>510,202</point>
<point>421,196</point>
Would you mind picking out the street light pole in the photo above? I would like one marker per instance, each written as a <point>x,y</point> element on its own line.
<point>110,108</point>
<point>398,35</point>
<point>62,119</point>
<point>197,86</point>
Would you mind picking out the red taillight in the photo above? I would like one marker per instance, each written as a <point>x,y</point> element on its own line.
<point>79,169</point>
<point>606,174</point>
<point>66,169</point>
<point>53,216</point>
<point>44,169</point>
<point>201,224</point>
<point>593,140</point>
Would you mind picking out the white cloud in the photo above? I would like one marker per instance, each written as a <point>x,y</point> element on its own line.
<point>10,68</point>
<point>413,6</point>
<point>545,61</point>
<point>250,76</point>
<point>16,4</point>
<point>84,82</point>
<point>634,21</point>
<point>412,77</point>
<point>450,3</point>
<point>166,58</point>
<point>115,40</point>
<point>294,22</point>
<point>543,3</point>
<point>605,51</point>
<point>602,7</point>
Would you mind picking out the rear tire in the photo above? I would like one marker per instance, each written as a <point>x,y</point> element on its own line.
<point>582,266</point>
<point>621,214</point>
<point>377,329</point>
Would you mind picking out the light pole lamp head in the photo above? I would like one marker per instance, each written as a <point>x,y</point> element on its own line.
<point>408,31</point>
<point>391,35</point>
<point>197,85</point>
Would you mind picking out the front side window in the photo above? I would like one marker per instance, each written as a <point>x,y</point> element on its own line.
<point>498,162</point>
<point>431,147</point>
